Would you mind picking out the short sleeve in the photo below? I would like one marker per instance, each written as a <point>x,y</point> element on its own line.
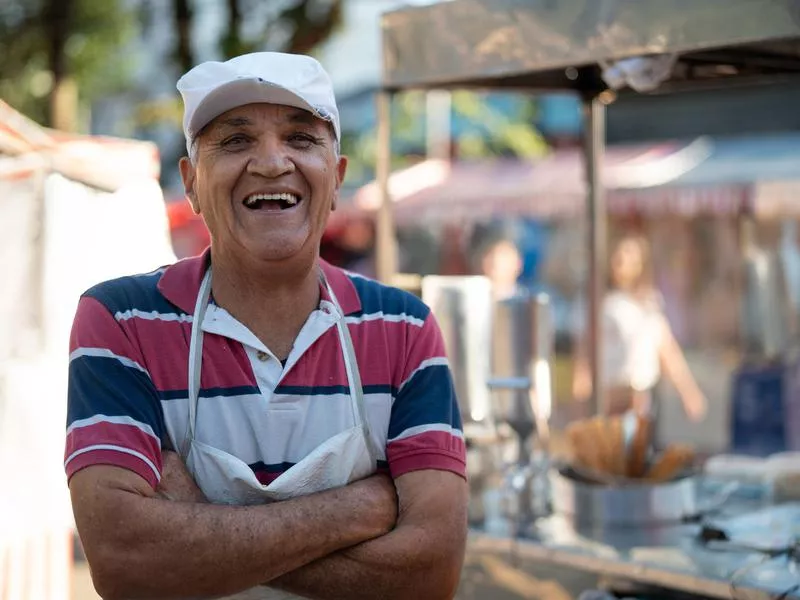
<point>114,415</point>
<point>425,430</point>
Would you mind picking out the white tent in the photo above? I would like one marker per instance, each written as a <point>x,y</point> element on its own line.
<point>74,210</point>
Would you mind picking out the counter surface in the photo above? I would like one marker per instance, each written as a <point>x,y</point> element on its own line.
<point>670,557</point>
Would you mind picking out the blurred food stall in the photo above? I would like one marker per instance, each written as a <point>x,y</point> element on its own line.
<point>653,520</point>
<point>76,210</point>
<point>695,201</point>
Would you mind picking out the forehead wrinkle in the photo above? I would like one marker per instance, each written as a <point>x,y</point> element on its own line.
<point>238,121</point>
<point>300,116</point>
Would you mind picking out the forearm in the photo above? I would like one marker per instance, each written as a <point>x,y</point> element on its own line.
<point>677,370</point>
<point>143,547</point>
<point>409,562</point>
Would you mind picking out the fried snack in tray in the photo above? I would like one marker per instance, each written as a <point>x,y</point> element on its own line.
<point>673,461</point>
<point>581,437</point>
<point>593,450</point>
<point>639,448</point>
<point>612,449</point>
<point>617,457</point>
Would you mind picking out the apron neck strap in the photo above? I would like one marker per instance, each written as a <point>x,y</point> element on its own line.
<point>353,374</point>
<point>196,359</point>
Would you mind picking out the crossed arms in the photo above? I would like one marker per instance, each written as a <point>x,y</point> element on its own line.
<point>369,539</point>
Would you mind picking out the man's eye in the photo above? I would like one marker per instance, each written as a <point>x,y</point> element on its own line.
<point>303,139</point>
<point>234,140</point>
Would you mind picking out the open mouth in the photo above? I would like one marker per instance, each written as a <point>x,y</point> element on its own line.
<point>271,202</point>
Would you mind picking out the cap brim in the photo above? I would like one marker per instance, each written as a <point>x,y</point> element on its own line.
<point>239,93</point>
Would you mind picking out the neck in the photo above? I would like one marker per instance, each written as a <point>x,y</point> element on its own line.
<point>271,298</point>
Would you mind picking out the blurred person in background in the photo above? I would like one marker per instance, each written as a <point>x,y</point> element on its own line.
<point>500,260</point>
<point>638,343</point>
<point>238,434</point>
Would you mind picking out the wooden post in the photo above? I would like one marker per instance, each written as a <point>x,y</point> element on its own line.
<point>386,243</point>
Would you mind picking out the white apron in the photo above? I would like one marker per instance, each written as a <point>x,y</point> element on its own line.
<point>224,479</point>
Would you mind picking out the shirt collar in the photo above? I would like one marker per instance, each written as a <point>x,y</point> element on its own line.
<point>180,283</point>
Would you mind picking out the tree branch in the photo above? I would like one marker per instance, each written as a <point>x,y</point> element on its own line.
<point>183,22</point>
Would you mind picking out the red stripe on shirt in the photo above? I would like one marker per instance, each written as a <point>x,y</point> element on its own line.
<point>438,450</point>
<point>112,458</point>
<point>428,344</point>
<point>95,327</point>
<point>116,434</point>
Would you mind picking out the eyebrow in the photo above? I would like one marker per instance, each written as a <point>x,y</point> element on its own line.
<point>296,116</point>
<point>236,122</point>
<point>304,117</point>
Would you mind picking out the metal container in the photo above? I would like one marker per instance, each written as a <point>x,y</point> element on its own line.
<point>768,322</point>
<point>463,308</point>
<point>512,362</point>
<point>627,505</point>
<point>522,351</point>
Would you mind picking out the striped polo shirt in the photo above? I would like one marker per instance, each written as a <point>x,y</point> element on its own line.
<point>128,374</point>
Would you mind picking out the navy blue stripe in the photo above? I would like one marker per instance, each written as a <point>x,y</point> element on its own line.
<point>101,385</point>
<point>326,390</point>
<point>429,397</point>
<point>138,292</point>
<point>376,297</point>
<point>242,390</point>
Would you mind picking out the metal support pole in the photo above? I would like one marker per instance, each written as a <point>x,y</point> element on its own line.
<point>386,242</point>
<point>593,147</point>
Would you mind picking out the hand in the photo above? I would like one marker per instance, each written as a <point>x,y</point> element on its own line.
<point>176,483</point>
<point>695,406</point>
<point>380,496</point>
<point>581,383</point>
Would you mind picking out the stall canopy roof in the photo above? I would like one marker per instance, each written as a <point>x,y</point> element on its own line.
<point>701,176</point>
<point>100,162</point>
<point>560,44</point>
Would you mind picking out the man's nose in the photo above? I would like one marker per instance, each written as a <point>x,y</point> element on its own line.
<point>270,159</point>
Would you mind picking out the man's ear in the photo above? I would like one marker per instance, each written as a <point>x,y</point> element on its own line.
<point>341,170</point>
<point>188,176</point>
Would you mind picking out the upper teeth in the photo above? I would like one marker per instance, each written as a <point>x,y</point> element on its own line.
<point>288,198</point>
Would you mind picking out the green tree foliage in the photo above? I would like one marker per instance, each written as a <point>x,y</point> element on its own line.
<point>296,26</point>
<point>491,132</point>
<point>44,42</point>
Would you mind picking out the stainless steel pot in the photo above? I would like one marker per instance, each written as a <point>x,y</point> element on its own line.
<point>623,505</point>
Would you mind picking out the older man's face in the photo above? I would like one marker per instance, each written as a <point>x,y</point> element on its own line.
<point>265,179</point>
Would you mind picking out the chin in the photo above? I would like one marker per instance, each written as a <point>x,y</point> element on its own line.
<point>283,251</point>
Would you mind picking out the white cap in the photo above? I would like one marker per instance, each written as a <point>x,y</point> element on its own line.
<point>212,88</point>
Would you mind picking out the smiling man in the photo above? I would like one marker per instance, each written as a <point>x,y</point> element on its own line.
<point>254,422</point>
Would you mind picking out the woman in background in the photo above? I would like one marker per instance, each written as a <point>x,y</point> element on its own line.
<point>638,343</point>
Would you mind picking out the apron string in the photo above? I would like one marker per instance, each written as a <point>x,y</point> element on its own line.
<point>196,360</point>
<point>353,374</point>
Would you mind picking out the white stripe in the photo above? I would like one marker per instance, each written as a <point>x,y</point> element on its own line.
<point>139,455</point>
<point>412,431</point>
<point>355,275</point>
<point>106,353</point>
<point>115,421</point>
<point>152,316</point>
<point>401,318</point>
<point>436,361</point>
<point>158,271</point>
